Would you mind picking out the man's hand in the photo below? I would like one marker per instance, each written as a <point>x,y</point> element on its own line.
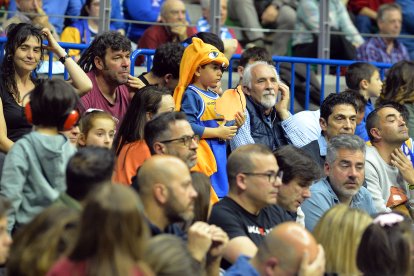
<point>220,240</point>
<point>134,83</point>
<point>403,164</point>
<point>283,104</point>
<point>42,19</point>
<point>317,268</point>
<point>199,240</point>
<point>269,15</point>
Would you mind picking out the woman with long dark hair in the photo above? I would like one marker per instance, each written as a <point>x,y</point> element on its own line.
<point>24,53</point>
<point>130,147</point>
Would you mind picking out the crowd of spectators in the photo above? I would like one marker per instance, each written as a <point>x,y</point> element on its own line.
<point>165,173</point>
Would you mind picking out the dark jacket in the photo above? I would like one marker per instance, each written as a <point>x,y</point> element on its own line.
<point>265,130</point>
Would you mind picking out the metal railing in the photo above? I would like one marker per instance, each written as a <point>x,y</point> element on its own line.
<point>323,63</point>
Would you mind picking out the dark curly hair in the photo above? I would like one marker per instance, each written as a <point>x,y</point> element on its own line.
<point>167,59</point>
<point>112,39</point>
<point>17,34</point>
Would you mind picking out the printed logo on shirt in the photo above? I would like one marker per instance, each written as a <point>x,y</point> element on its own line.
<point>252,229</point>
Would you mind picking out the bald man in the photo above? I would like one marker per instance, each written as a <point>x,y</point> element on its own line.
<point>166,191</point>
<point>288,249</point>
<point>168,196</point>
<point>173,13</point>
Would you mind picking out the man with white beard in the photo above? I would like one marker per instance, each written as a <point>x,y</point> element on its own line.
<point>261,85</point>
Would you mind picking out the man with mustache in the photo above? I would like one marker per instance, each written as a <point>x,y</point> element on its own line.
<point>248,212</point>
<point>173,13</point>
<point>344,169</point>
<point>107,63</point>
<point>170,133</point>
<point>338,115</point>
<point>261,86</point>
<point>389,173</point>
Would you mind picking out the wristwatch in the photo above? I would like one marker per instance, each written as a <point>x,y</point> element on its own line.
<point>63,59</point>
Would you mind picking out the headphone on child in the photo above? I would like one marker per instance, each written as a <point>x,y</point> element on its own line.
<point>69,120</point>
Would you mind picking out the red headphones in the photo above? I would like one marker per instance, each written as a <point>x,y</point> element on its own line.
<point>69,120</point>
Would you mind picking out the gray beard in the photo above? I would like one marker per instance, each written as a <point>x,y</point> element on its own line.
<point>268,102</point>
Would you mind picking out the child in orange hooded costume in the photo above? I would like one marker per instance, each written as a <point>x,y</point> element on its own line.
<point>202,67</point>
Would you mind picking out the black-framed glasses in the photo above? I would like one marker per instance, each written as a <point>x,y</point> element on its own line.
<point>271,176</point>
<point>186,140</point>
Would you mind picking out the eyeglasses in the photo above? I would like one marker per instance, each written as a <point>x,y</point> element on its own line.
<point>186,140</point>
<point>271,176</point>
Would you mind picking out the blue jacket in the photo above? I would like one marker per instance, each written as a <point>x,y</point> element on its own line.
<point>266,131</point>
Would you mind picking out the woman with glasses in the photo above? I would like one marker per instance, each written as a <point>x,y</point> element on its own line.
<point>24,53</point>
<point>129,145</point>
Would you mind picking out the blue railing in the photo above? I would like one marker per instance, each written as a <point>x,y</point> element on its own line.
<point>292,60</point>
<point>277,59</point>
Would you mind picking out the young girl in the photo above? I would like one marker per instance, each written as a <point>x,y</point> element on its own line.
<point>34,169</point>
<point>97,128</point>
<point>131,149</point>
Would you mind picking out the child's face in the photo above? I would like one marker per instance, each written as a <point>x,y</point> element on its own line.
<point>209,75</point>
<point>374,85</point>
<point>101,134</point>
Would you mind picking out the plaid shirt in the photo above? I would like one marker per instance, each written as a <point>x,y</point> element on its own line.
<point>375,50</point>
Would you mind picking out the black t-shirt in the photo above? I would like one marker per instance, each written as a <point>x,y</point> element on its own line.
<point>237,222</point>
<point>16,122</point>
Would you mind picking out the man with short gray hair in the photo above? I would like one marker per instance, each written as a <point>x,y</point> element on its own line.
<point>385,49</point>
<point>345,171</point>
<point>261,86</point>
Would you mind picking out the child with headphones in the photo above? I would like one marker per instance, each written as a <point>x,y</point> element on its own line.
<point>34,169</point>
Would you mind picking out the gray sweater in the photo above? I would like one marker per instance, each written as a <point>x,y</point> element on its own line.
<point>379,177</point>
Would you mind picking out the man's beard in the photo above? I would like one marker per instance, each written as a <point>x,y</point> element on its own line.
<point>268,101</point>
<point>173,213</point>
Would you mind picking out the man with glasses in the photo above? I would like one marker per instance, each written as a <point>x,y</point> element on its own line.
<point>171,133</point>
<point>249,212</point>
<point>345,170</point>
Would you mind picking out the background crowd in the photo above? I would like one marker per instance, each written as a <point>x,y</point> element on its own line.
<point>167,173</point>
